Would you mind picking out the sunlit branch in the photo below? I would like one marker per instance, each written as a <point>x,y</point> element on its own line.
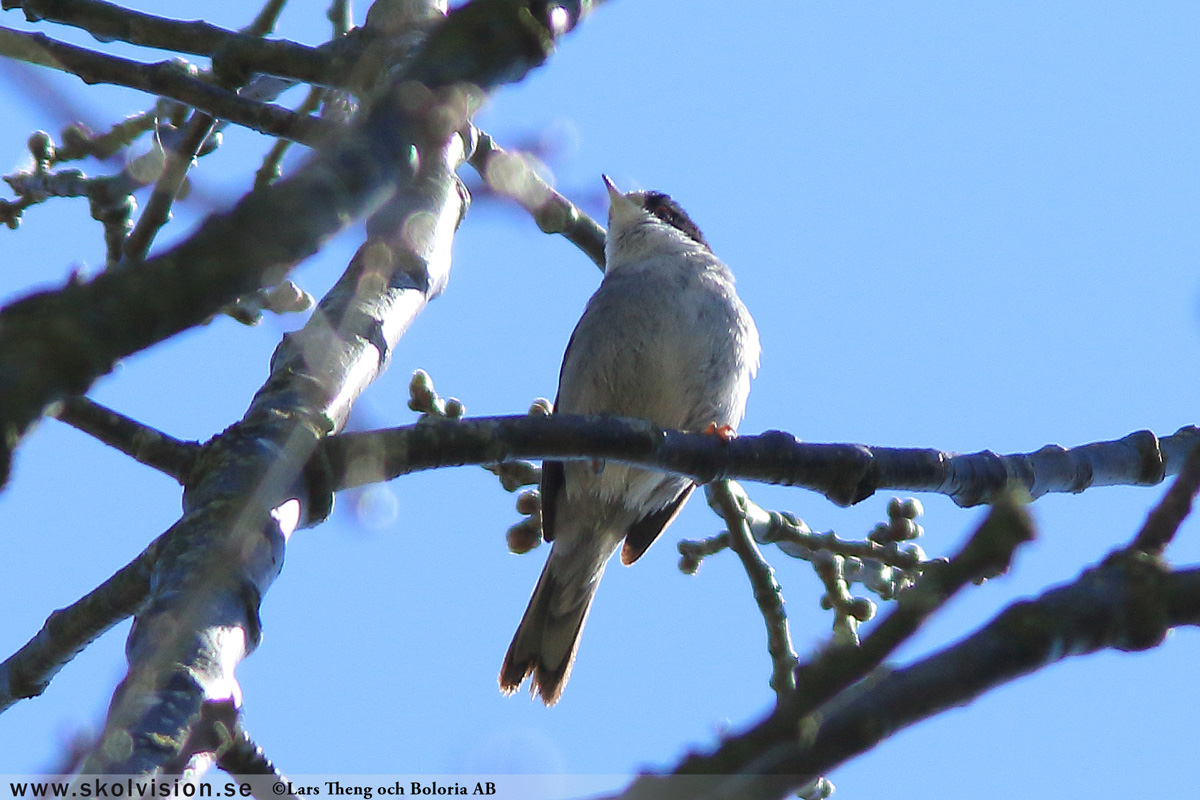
<point>54,344</point>
<point>1128,602</point>
<point>510,175</point>
<point>844,473</point>
<point>69,630</point>
<point>724,498</point>
<point>158,208</point>
<point>243,757</point>
<point>151,447</point>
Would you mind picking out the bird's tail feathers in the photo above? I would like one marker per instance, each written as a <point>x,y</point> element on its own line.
<point>547,638</point>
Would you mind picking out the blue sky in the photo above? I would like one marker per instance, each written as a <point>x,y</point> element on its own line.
<point>957,226</point>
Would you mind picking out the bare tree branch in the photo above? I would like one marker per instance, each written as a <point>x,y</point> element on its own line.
<point>510,175</point>
<point>1128,602</point>
<point>225,552</point>
<point>158,208</point>
<point>151,447</point>
<point>167,79</point>
<point>243,758</point>
<point>844,473</point>
<point>724,499</point>
<point>1164,521</point>
<point>233,52</point>
<point>69,630</point>
<point>54,344</point>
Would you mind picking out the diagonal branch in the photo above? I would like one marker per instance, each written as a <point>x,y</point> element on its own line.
<point>69,630</point>
<point>1164,521</point>
<point>151,447</point>
<point>54,344</point>
<point>1128,602</point>
<point>166,188</point>
<point>510,175</point>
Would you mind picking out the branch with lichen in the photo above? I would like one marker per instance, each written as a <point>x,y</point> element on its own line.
<point>258,474</point>
<point>242,757</point>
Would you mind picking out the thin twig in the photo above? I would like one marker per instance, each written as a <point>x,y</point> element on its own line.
<point>181,157</point>
<point>151,447</point>
<point>264,23</point>
<point>166,188</point>
<point>986,554</point>
<point>167,78</point>
<point>109,22</point>
<point>796,539</point>
<point>510,175</point>
<point>723,496</point>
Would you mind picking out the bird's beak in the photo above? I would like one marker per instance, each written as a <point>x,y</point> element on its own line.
<point>615,198</point>
<point>613,191</point>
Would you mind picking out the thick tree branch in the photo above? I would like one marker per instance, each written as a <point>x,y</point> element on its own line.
<point>218,567</point>
<point>54,344</point>
<point>844,473</point>
<point>220,562</point>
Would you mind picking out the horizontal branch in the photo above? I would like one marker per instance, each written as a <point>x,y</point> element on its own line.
<point>844,473</point>
<point>171,79</point>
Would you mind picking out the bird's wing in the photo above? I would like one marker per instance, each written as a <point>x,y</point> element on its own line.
<point>643,532</point>
<point>553,476</point>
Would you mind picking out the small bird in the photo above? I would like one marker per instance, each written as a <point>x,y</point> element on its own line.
<point>665,338</point>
